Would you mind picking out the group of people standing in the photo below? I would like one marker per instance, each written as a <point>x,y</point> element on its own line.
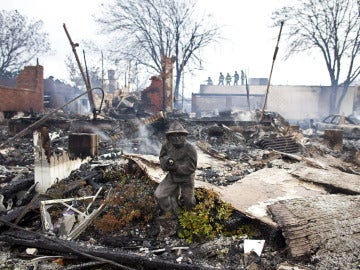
<point>228,78</point>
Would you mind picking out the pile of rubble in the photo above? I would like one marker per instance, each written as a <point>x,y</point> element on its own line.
<point>287,191</point>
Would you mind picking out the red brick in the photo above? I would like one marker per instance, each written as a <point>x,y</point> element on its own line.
<point>28,93</point>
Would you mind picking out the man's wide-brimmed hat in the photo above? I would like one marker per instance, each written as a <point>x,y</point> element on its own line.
<point>176,127</point>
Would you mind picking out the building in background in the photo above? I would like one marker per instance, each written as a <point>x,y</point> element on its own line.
<point>294,102</point>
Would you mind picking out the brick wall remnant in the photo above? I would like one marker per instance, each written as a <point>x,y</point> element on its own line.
<point>27,95</point>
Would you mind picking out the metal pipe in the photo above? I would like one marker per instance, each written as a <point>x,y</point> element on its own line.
<point>247,92</point>
<point>87,82</point>
<point>271,70</point>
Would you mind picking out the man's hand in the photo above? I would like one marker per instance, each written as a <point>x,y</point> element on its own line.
<point>170,165</point>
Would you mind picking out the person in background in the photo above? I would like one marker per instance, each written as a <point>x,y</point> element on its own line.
<point>209,81</point>
<point>221,79</point>
<point>242,77</point>
<point>313,127</point>
<point>228,79</point>
<point>236,78</point>
<point>178,158</point>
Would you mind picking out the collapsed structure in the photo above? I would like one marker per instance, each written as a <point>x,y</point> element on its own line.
<point>265,168</point>
<point>265,175</point>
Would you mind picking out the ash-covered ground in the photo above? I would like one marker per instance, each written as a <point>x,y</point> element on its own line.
<point>128,227</point>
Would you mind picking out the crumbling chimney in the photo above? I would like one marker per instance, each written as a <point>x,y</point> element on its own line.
<point>167,77</point>
<point>112,81</point>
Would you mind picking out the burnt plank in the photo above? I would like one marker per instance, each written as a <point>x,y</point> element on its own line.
<point>320,219</point>
<point>127,259</point>
<point>331,178</point>
<point>18,185</point>
<point>12,215</point>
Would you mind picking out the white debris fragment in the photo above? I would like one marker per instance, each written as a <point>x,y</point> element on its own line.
<point>31,251</point>
<point>253,245</point>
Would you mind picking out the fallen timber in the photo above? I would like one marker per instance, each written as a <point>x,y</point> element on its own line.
<point>257,194</point>
<point>333,179</point>
<point>118,258</point>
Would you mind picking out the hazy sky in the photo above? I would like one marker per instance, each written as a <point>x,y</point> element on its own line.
<point>248,43</point>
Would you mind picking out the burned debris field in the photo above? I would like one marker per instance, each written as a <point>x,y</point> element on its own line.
<point>269,196</point>
<point>119,167</point>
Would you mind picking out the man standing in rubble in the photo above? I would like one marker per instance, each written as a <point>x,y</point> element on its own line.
<point>179,158</point>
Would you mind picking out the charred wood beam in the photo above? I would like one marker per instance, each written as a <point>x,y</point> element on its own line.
<point>93,177</point>
<point>33,203</point>
<point>309,161</point>
<point>16,186</point>
<point>27,197</point>
<point>17,214</point>
<point>27,238</point>
<point>82,266</point>
<point>75,185</point>
<point>11,215</point>
<point>115,257</point>
<point>209,150</point>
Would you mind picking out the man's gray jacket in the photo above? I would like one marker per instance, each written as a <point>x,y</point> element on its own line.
<point>185,159</point>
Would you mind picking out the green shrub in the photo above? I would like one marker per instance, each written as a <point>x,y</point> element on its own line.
<point>206,220</point>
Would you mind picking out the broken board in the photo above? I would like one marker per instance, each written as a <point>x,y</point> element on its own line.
<point>329,222</point>
<point>330,177</point>
<point>252,194</point>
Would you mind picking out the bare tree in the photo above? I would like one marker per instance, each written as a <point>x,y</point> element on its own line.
<point>74,74</point>
<point>21,41</point>
<point>94,73</point>
<point>331,27</point>
<point>144,31</point>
